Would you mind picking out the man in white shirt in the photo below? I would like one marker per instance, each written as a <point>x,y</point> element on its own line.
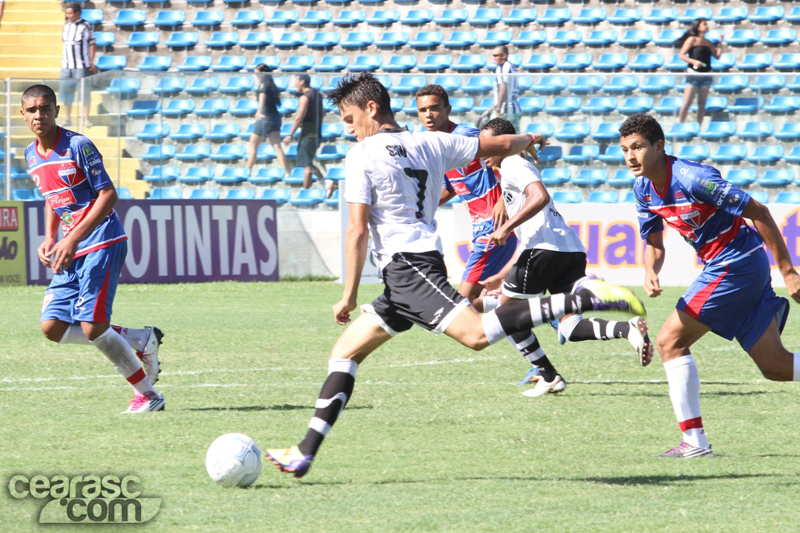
<point>77,61</point>
<point>552,259</point>
<point>506,87</point>
<point>393,186</point>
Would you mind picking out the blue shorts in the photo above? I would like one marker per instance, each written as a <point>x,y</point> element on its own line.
<point>483,263</point>
<point>85,292</point>
<point>736,300</point>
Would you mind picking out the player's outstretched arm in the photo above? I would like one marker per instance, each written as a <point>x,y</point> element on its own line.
<point>355,249</point>
<point>506,145</point>
<point>653,261</point>
<point>769,231</point>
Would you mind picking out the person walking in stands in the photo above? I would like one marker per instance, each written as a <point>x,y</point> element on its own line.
<point>697,51</point>
<point>268,120</point>
<point>309,120</point>
<point>506,88</point>
<point>77,61</point>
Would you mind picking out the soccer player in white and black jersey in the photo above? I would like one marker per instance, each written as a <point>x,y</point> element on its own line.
<point>393,185</point>
<point>77,61</point>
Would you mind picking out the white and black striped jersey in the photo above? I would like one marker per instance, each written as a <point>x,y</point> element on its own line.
<point>77,37</point>
<point>399,175</point>
<point>504,74</point>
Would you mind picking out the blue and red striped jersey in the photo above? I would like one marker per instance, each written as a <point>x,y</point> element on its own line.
<point>69,179</point>
<point>704,208</point>
<point>476,185</point>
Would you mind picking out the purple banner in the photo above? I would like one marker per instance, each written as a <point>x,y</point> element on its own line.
<point>183,241</point>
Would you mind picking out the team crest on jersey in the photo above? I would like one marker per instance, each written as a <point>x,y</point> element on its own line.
<point>68,175</point>
<point>67,219</point>
<point>692,218</point>
<point>32,161</point>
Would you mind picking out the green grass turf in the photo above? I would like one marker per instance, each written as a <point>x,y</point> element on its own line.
<point>436,438</point>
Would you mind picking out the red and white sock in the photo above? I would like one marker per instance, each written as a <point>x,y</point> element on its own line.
<point>119,352</point>
<point>684,391</point>
<point>136,337</point>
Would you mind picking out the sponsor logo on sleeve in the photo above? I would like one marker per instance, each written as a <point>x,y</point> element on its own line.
<point>87,150</point>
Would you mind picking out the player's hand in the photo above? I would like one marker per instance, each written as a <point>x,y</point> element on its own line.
<point>259,114</point>
<point>652,287</point>
<point>499,214</point>
<point>539,139</point>
<point>287,140</point>
<point>341,310</point>
<point>497,238</point>
<point>94,69</point>
<point>792,280</point>
<point>62,254</point>
<point>44,251</point>
<point>492,285</point>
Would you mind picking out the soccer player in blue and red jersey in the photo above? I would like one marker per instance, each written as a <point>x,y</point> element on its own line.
<point>68,170</point>
<point>733,295</point>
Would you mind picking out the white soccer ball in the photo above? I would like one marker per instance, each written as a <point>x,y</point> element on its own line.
<point>234,460</point>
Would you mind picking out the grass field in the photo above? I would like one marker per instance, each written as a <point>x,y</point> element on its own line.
<point>436,438</point>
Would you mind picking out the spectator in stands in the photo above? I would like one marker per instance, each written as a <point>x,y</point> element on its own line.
<point>268,119</point>
<point>309,120</point>
<point>506,88</point>
<point>697,51</point>
<point>77,61</point>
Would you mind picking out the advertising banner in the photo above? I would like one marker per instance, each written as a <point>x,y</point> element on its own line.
<point>12,244</point>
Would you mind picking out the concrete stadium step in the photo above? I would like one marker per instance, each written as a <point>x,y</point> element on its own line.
<point>33,40</point>
<point>40,16</point>
<point>33,26</point>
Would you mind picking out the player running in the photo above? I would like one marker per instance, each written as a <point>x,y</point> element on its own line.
<point>733,295</point>
<point>553,259</point>
<point>68,170</point>
<point>393,188</point>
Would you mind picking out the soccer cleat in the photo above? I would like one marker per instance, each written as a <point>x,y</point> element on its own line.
<point>607,297</point>
<point>149,356</point>
<point>639,339</point>
<point>143,403</point>
<point>290,460</point>
<point>543,387</point>
<point>555,324</point>
<point>532,376</point>
<point>686,451</point>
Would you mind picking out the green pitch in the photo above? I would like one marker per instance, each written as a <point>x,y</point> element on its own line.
<point>435,438</point>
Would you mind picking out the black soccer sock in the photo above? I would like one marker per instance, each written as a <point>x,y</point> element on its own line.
<point>335,393</point>
<point>522,315</point>
<point>528,345</point>
<point>599,329</point>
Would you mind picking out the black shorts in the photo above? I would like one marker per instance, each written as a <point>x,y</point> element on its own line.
<point>264,126</point>
<point>537,271</point>
<point>416,292</point>
<point>306,150</point>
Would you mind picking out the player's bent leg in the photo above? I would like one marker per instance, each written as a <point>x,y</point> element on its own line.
<point>55,330</point>
<point>774,361</point>
<point>472,292</point>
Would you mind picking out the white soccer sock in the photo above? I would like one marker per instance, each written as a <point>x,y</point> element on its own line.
<point>136,337</point>
<point>74,335</point>
<point>491,327</point>
<point>119,352</point>
<point>490,303</point>
<point>796,376</point>
<point>567,326</point>
<point>684,391</point>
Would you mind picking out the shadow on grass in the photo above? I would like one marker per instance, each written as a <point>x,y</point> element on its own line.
<point>665,480</point>
<point>284,407</point>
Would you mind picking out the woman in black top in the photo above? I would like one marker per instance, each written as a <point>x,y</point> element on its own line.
<point>697,51</point>
<point>268,119</point>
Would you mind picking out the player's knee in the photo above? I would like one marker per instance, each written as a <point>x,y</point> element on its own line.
<point>475,340</point>
<point>51,334</point>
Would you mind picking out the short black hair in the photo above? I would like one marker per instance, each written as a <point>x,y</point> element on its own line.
<point>503,48</point>
<point>76,7</point>
<point>263,67</point>
<point>435,90</point>
<point>305,78</point>
<point>37,91</point>
<point>360,89</point>
<point>500,126</point>
<point>644,125</point>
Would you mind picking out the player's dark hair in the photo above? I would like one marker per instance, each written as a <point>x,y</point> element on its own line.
<point>691,32</point>
<point>358,90</point>
<point>38,91</point>
<point>305,79</point>
<point>435,90</point>
<point>500,126</point>
<point>75,7</point>
<point>644,125</point>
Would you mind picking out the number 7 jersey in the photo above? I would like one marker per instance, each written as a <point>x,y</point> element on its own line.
<point>399,175</point>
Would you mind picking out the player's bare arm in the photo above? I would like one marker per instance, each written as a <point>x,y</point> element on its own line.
<point>653,261</point>
<point>65,249</point>
<point>356,240</point>
<point>769,231</point>
<point>506,145</point>
<point>45,249</point>
<point>536,198</point>
<point>446,196</point>
<point>499,214</point>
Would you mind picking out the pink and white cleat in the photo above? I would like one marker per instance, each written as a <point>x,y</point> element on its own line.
<point>142,403</point>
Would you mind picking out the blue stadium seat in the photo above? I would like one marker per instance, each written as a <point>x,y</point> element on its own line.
<point>767,14</point>
<point>266,152</point>
<point>529,38</point>
<point>182,39</point>
<point>692,152</point>
<point>565,38</point>
<point>332,130</point>
<point>22,195</point>
<point>144,108</point>
<point>228,63</point>
<point>607,131</point>
<point>603,197</point>
<point>308,197</point>
<point>622,178</point>
<point>383,17</point>
<point>601,38</point>
<point>331,64</point>
<point>165,193</point>
<point>178,108</point>
<point>207,19</point>
<point>755,131</point>
<point>682,131</point>
<point>545,128</point>
<point>127,18</point>
<point>581,153</point>
<point>538,62</point>
<point>237,85</point>
<point>335,174</point>
<point>636,104</point>
<point>280,17</point>
<point>194,152</point>
<point>788,197</point>
<point>668,37</point>
<point>585,84</point>
<point>295,177</point>
<point>153,132</point>
<point>400,63</point>
<point>111,62</point>
<point>366,63</point>
<point>590,177</point>
<point>222,39</point>
<point>416,17</point>
<point>549,85</point>
<point>392,39</point>
<point>478,84</point>
<point>316,18</point>
<point>780,37</point>
<point>426,39</point>
<point>520,16</point>
<point>104,38</point>
<point>691,14</point>
<point>223,132</point>
<point>590,16</point>
<point>485,17</point>
<point>613,155</point>
<point>396,104</point>
<point>792,16</point>
<point>451,17</point>
<point>725,62</point>
<point>636,38</point>
<point>759,196</point>
<point>280,196</point>
<point>741,177</point>
<point>189,132</point>
<point>658,84</point>
<point>247,18</point>
<point>266,176</point>
<point>744,37</point>
<point>610,61</point>
<point>752,62</point>
<point>204,194</point>
<point>155,63</point>
<point>730,84</point>
<point>776,177</point>
<point>195,63</point>
<point>553,177</point>
<point>449,83</point>
<point>348,17</point>
<point>213,107</point>
<point>203,86</point>
<point>732,15</point>
<point>746,105</point>
<point>567,197</point>
<point>124,193</point>
<point>729,153</point>
<point>288,106</point>
<point>125,87</point>
<point>323,40</point>
<point>675,64</point>
<point>169,18</point>
<point>762,154</point>
<point>469,63</point>
<point>788,62</point>
<point>789,131</point>
<point>229,153</point>
<point>230,176</point>
<point>142,39</point>
<point>410,84</point>
<point>256,39</point>
<point>714,104</point>
<point>169,173</point>
<point>460,39</point>
<point>297,63</point>
<point>646,62</point>
<point>290,39</point>
<point>621,85</point>
<point>495,38</point>
<point>661,16</point>
<point>356,40</point>
<point>575,61</point>
<point>241,194</point>
<point>625,17</point>
<point>92,16</point>
<point>555,16</point>
<point>333,200</point>
<point>332,152</point>
<point>573,131</point>
<point>564,105</point>
<point>669,105</point>
<point>718,130</point>
<point>600,105</point>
